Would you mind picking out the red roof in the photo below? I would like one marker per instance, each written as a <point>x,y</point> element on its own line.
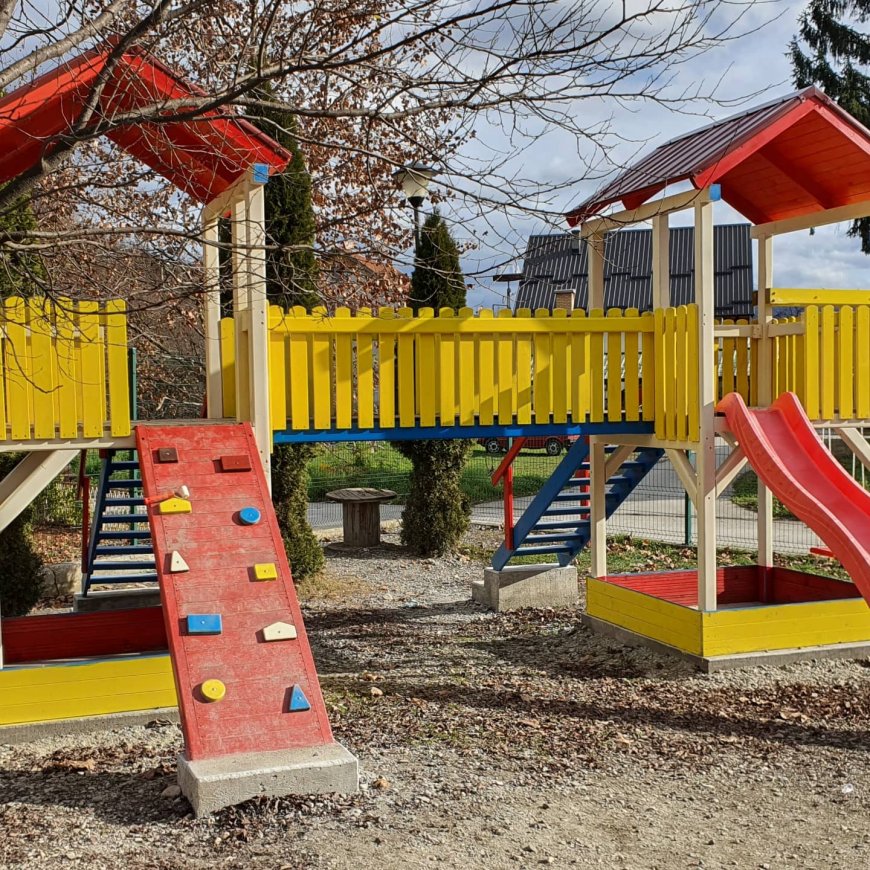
<point>202,157</point>
<point>795,156</point>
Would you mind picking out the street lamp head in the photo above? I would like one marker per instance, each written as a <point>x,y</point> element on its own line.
<point>413,180</point>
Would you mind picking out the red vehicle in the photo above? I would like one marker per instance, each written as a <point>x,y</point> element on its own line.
<point>553,444</point>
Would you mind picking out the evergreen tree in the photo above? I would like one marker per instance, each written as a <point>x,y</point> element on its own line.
<point>20,272</point>
<point>291,279</point>
<point>437,511</point>
<point>830,51</point>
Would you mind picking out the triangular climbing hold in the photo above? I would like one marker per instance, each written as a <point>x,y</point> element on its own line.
<point>298,701</point>
<point>177,564</point>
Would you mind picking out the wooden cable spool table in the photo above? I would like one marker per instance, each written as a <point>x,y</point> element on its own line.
<point>361,513</point>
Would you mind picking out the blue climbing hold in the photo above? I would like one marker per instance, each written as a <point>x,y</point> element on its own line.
<point>249,516</point>
<point>298,701</point>
<point>204,623</point>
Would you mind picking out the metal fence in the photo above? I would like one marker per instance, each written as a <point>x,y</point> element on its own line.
<point>657,510</point>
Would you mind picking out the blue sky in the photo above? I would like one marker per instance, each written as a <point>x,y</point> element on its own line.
<point>754,64</point>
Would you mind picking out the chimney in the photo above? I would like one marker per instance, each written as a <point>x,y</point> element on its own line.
<point>564,300</point>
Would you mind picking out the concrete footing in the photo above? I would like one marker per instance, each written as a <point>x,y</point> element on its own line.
<point>714,664</point>
<point>517,586</point>
<point>117,599</point>
<point>214,783</point>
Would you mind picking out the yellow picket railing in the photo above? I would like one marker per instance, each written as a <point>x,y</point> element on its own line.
<point>454,369</point>
<point>63,369</point>
<point>677,408</point>
<point>836,364</point>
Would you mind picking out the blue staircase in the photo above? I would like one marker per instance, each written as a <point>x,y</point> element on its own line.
<point>119,549</point>
<point>556,522</point>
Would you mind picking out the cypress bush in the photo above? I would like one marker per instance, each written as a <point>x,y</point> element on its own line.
<point>20,565</point>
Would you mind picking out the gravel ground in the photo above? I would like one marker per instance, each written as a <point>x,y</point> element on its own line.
<point>485,741</point>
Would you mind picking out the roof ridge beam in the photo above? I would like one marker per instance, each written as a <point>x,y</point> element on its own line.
<point>667,205</point>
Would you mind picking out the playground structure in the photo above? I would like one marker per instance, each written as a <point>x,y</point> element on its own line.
<point>633,385</point>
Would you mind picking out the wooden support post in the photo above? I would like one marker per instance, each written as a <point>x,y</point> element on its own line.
<point>212,317</point>
<point>705,465</point>
<point>258,337</point>
<point>661,262</point>
<point>765,391</point>
<point>597,507</point>
<point>241,268</point>
<point>595,271</point>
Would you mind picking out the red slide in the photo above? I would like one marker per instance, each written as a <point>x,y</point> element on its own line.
<point>791,460</point>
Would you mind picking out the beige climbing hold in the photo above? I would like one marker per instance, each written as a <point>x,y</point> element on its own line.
<point>279,631</point>
<point>177,564</point>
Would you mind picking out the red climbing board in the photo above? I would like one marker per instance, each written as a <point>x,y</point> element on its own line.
<point>260,707</point>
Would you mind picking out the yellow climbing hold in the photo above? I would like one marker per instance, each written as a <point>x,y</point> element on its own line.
<point>174,506</point>
<point>213,690</point>
<point>265,571</point>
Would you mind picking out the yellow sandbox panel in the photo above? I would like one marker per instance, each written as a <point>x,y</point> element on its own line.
<point>651,617</point>
<point>71,690</point>
<point>785,626</point>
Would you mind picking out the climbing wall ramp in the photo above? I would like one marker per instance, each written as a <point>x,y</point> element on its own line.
<point>252,712</point>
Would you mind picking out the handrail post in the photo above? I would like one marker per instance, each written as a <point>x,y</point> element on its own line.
<point>85,496</point>
<point>509,508</point>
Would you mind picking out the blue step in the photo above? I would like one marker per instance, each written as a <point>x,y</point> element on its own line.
<point>122,550</point>
<point>123,465</point>
<point>124,578</point>
<point>116,535</point>
<point>110,519</point>
<point>117,501</point>
<point>121,566</point>
<point>532,536</point>
<point>126,484</point>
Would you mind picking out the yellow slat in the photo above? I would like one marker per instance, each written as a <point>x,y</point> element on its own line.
<point>65,362</point>
<point>862,362</point>
<point>365,382</point>
<point>559,367</point>
<point>596,370</point>
<point>228,363</point>
<point>811,362</point>
<point>681,373</point>
<point>670,368</point>
<point>729,349</point>
<point>504,356</point>
<point>386,371</point>
<point>486,374</point>
<point>845,364</point>
<point>277,370</point>
<point>661,395</point>
<point>632,371</point>
<point>524,372</point>
<point>298,375</point>
<point>117,357</point>
<point>466,376</point>
<point>447,349</point>
<point>614,366</point>
<point>693,398</point>
<point>427,400</point>
<point>18,385</point>
<point>753,373</point>
<point>93,397</point>
<point>321,369</point>
<point>406,377</point>
<point>44,367</point>
<point>343,374</point>
<point>828,362</point>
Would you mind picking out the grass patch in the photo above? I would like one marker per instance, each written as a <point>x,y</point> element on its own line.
<point>326,586</point>
<point>745,494</point>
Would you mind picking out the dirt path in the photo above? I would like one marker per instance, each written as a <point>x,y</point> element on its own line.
<point>485,742</point>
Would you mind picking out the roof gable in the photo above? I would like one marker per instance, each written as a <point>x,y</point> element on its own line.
<point>202,157</point>
<point>792,157</point>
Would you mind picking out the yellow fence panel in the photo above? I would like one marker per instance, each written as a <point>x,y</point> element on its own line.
<point>63,370</point>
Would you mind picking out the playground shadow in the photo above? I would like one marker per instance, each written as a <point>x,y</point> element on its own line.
<point>622,717</point>
<point>114,796</point>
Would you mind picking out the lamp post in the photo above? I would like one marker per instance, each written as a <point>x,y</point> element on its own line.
<point>413,180</point>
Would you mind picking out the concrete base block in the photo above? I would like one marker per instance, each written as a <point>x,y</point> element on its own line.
<point>117,599</point>
<point>214,783</point>
<point>517,586</point>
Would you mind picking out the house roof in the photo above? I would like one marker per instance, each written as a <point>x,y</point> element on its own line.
<point>558,262</point>
<point>794,156</point>
<point>202,157</point>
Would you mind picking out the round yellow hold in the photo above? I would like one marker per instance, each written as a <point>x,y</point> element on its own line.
<point>213,690</point>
